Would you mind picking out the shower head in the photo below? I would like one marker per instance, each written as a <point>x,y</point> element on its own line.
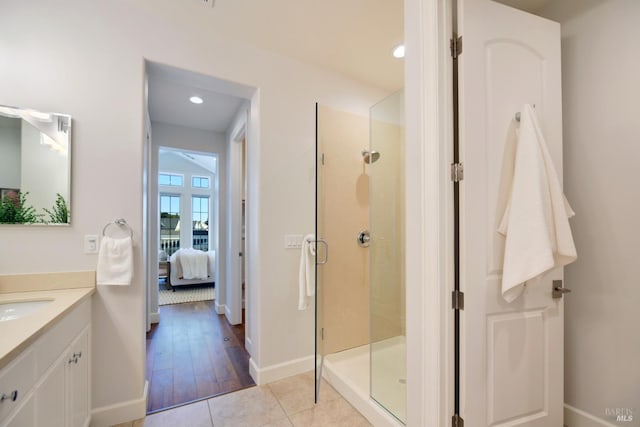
<point>370,156</point>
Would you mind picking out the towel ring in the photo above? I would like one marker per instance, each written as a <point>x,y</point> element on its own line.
<point>121,222</point>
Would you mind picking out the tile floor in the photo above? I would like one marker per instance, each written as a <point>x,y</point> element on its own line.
<point>284,403</point>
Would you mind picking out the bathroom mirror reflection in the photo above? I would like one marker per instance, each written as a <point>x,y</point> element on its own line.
<point>35,166</point>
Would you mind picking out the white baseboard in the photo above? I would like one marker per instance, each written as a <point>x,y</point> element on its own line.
<point>122,412</point>
<point>220,308</point>
<point>154,317</point>
<point>574,417</point>
<point>277,372</point>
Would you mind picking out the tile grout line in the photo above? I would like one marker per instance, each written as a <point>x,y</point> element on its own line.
<point>209,409</point>
<point>284,411</point>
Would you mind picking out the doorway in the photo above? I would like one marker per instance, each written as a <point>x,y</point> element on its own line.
<point>195,346</point>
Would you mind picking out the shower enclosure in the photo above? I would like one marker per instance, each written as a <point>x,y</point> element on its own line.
<point>360,303</point>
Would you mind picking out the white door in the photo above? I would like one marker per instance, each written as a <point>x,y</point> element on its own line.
<point>233,309</point>
<point>511,354</point>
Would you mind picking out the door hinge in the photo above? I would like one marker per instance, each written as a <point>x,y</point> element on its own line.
<point>457,302</point>
<point>322,159</point>
<point>457,421</point>
<point>322,334</point>
<point>457,172</point>
<point>456,46</point>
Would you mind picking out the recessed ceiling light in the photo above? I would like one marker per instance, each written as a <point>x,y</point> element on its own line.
<point>196,100</point>
<point>398,51</point>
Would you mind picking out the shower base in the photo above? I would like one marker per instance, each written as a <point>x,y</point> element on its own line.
<point>349,373</point>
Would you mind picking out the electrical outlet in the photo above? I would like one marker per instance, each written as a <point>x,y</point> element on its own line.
<point>90,244</point>
<point>209,3</point>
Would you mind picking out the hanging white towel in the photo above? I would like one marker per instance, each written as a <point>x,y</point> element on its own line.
<point>115,261</point>
<point>306,274</point>
<point>534,212</point>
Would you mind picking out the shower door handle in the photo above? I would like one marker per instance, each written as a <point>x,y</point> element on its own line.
<point>326,252</point>
<point>364,239</point>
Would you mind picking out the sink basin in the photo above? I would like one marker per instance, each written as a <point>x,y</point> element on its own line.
<point>12,310</point>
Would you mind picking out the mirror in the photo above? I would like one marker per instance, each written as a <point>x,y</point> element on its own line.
<point>35,167</point>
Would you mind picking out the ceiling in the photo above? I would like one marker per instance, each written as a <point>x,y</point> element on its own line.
<point>169,103</point>
<point>169,93</point>
<point>531,6</point>
<point>351,37</point>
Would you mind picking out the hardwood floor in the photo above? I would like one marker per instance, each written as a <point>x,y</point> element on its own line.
<point>192,354</point>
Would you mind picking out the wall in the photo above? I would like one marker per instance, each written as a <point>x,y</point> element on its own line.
<point>601,128</point>
<point>10,159</point>
<point>172,136</point>
<point>387,220</point>
<point>343,211</point>
<point>98,78</point>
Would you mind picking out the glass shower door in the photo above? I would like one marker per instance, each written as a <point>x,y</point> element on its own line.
<point>387,278</point>
<point>319,233</point>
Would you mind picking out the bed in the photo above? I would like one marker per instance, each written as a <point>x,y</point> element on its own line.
<point>175,274</point>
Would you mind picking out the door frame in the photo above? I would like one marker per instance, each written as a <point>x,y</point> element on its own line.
<point>429,212</point>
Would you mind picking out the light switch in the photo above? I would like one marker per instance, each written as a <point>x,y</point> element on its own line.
<point>90,244</point>
<point>293,241</point>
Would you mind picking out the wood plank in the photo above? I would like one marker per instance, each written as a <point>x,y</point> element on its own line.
<point>160,390</point>
<point>188,358</point>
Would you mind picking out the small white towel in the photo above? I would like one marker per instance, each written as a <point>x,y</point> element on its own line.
<point>115,261</point>
<point>194,263</point>
<point>306,274</point>
<point>535,218</point>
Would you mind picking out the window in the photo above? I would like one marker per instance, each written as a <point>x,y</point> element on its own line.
<point>170,179</point>
<point>199,182</point>
<point>200,223</point>
<point>169,223</point>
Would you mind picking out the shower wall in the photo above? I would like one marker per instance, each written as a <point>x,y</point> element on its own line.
<point>387,226</point>
<point>344,211</point>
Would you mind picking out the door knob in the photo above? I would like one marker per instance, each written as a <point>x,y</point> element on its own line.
<point>558,290</point>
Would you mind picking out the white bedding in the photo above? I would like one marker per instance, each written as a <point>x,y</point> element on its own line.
<point>192,266</point>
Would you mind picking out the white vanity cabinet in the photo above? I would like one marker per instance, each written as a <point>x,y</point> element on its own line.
<point>59,362</point>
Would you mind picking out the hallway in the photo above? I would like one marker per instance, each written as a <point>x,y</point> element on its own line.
<point>192,354</point>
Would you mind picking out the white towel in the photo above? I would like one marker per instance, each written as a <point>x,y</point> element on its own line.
<point>115,261</point>
<point>194,263</point>
<point>306,274</point>
<point>534,218</point>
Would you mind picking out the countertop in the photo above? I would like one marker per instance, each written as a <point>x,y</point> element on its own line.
<point>16,335</point>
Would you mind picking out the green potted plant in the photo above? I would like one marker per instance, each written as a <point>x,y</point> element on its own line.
<point>15,210</point>
<point>59,213</point>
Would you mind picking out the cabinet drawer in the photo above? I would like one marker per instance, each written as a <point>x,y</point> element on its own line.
<point>19,376</point>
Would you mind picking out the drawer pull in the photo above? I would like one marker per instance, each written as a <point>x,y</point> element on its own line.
<point>13,396</point>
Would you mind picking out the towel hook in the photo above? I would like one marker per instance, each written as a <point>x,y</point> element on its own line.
<point>518,115</point>
<point>118,221</point>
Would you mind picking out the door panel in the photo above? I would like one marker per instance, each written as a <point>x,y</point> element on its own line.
<point>511,354</point>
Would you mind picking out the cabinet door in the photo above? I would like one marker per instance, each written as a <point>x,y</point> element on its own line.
<point>25,416</point>
<point>78,381</point>
<point>50,401</point>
